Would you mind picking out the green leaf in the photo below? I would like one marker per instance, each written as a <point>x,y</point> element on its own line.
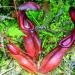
<point>14,32</point>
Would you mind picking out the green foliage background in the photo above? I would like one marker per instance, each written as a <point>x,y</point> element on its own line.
<point>52,25</point>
